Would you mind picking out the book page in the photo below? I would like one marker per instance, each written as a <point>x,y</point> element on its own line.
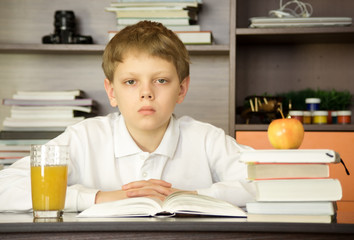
<point>130,207</point>
<point>181,202</point>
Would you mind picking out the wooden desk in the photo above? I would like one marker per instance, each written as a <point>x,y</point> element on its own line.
<point>21,226</point>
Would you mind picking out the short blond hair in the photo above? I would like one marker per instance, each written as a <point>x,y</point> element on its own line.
<point>150,37</point>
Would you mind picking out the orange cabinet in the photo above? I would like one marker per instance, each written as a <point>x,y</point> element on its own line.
<point>341,142</point>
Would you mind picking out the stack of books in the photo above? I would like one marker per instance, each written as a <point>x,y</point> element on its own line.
<point>38,116</point>
<point>11,153</point>
<point>46,110</point>
<point>181,16</point>
<point>292,185</point>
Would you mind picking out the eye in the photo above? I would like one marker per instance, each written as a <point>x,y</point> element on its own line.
<point>161,81</point>
<point>130,82</point>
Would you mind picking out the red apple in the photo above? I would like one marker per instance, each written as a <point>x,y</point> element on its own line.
<point>286,133</point>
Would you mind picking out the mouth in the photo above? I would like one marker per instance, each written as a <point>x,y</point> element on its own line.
<point>146,110</point>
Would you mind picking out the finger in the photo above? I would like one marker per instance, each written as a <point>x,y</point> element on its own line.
<point>143,183</point>
<point>149,190</point>
<point>145,193</point>
<point>160,182</point>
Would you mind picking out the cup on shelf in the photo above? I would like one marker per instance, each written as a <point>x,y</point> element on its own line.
<point>344,117</point>
<point>307,119</point>
<point>332,117</point>
<point>319,117</point>
<point>312,104</point>
<point>297,114</point>
<point>49,171</point>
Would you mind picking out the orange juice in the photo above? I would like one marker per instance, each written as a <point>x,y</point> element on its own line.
<point>48,187</point>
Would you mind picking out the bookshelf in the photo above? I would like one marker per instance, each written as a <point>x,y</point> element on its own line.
<point>241,62</point>
<point>26,64</point>
<point>277,60</point>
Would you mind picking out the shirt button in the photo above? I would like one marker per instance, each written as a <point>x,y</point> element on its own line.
<point>144,156</point>
<point>145,174</point>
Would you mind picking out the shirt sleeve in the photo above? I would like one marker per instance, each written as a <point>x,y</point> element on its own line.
<point>15,182</point>
<point>15,187</point>
<point>15,191</point>
<point>228,172</point>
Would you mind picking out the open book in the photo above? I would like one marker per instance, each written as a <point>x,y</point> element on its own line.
<point>176,203</point>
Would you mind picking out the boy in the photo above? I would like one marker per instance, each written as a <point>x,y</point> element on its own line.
<point>143,150</point>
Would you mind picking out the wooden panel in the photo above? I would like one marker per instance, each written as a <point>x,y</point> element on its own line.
<point>207,99</point>
<point>342,142</point>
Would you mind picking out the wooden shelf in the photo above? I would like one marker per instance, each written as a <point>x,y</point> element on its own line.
<point>94,48</point>
<point>296,35</point>
<point>307,127</point>
<point>43,48</point>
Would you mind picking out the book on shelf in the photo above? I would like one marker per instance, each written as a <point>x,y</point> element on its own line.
<point>195,37</point>
<point>10,122</point>
<point>184,4</point>
<point>28,135</point>
<point>8,161</point>
<point>175,28</point>
<point>177,203</point>
<point>296,208</point>
<point>272,22</point>
<point>187,37</point>
<point>153,13</point>
<point>58,102</point>
<point>259,171</point>
<point>14,148</point>
<point>52,111</point>
<point>325,189</point>
<point>158,1</point>
<point>13,154</point>
<point>47,95</point>
<point>23,141</point>
<point>290,218</point>
<point>164,21</point>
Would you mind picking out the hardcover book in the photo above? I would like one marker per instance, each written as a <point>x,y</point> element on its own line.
<point>325,189</point>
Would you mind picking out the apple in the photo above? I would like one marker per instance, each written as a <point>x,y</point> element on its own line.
<point>286,133</point>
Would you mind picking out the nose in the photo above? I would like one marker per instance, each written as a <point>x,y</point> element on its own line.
<point>146,92</point>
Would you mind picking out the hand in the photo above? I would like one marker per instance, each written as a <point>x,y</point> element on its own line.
<point>151,188</point>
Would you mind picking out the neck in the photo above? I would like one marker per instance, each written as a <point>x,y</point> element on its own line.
<point>148,141</point>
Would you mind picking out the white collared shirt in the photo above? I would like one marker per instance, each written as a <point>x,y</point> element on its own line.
<point>191,156</point>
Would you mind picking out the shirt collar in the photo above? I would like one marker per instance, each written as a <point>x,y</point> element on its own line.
<point>124,145</point>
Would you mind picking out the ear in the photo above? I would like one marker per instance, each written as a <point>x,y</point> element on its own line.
<point>184,85</point>
<point>108,86</point>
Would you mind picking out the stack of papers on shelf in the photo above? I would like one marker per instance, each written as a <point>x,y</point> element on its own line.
<point>271,22</point>
<point>11,153</point>
<point>179,16</point>
<point>12,150</point>
<point>37,117</point>
<point>187,37</point>
<point>46,110</point>
<point>292,185</point>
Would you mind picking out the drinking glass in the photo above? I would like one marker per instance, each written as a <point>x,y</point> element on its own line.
<point>49,171</point>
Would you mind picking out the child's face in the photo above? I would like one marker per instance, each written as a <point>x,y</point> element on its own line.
<point>146,89</point>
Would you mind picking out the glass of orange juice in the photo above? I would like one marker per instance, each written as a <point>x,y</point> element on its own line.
<point>49,171</point>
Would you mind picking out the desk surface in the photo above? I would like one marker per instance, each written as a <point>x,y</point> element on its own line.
<point>18,226</point>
